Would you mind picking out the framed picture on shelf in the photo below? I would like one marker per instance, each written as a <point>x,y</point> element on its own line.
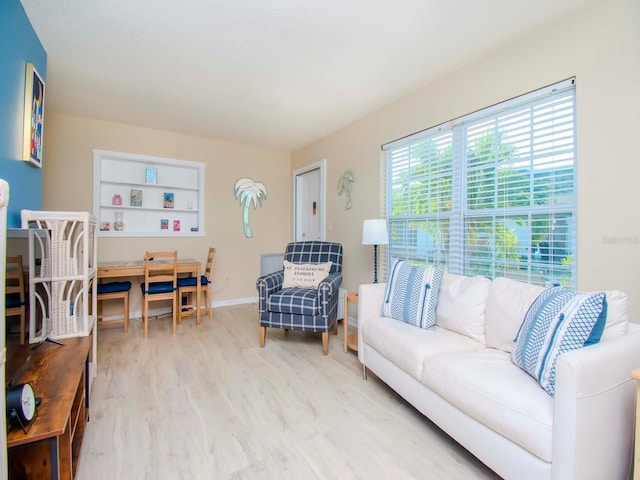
<point>176,225</point>
<point>164,224</point>
<point>168,199</point>
<point>136,198</point>
<point>152,175</point>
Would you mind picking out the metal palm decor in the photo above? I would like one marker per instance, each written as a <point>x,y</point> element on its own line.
<point>344,185</point>
<point>248,192</point>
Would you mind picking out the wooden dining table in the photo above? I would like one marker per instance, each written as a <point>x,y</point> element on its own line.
<point>135,268</point>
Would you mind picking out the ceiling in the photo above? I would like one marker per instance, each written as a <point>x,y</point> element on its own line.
<point>270,73</point>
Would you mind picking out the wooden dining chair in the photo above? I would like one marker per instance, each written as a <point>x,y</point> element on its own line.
<point>188,286</point>
<point>160,283</point>
<point>114,291</point>
<point>15,295</point>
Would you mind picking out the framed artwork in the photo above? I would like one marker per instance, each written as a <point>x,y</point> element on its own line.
<point>136,198</point>
<point>167,200</point>
<point>152,175</point>
<point>33,130</point>
<point>164,224</point>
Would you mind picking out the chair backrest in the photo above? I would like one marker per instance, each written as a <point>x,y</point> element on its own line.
<point>315,252</point>
<point>14,284</point>
<point>209,267</point>
<point>160,267</point>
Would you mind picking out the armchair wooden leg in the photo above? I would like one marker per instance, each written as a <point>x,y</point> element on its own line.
<point>263,334</point>
<point>325,343</point>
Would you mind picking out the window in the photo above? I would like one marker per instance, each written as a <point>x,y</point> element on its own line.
<point>492,193</point>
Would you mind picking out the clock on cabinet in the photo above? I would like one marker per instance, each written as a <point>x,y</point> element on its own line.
<point>21,405</point>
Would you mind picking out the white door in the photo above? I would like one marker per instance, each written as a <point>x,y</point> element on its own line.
<point>309,203</point>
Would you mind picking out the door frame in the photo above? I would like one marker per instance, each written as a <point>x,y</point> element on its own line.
<point>322,166</point>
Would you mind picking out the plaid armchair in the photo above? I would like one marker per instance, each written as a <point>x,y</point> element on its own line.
<point>305,309</point>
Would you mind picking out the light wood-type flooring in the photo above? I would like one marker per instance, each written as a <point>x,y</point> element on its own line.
<point>209,403</point>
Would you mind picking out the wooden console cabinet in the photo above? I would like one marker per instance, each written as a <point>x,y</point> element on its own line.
<point>59,376</point>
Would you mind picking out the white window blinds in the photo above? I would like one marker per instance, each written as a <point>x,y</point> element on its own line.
<point>492,193</point>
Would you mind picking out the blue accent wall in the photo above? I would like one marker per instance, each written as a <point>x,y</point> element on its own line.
<point>19,44</point>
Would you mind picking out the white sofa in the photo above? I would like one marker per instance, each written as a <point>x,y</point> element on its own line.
<point>461,377</point>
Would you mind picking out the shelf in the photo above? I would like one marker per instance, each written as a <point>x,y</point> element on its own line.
<point>149,185</point>
<point>121,178</point>
<point>157,209</point>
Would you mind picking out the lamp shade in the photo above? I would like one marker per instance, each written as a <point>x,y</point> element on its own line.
<point>374,232</point>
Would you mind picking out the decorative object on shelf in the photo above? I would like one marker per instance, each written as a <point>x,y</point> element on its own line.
<point>152,175</point>
<point>116,199</point>
<point>136,198</point>
<point>248,192</point>
<point>374,232</point>
<point>33,130</point>
<point>167,199</point>
<point>118,224</point>
<point>105,226</point>
<point>164,224</point>
<point>176,225</point>
<point>344,185</point>
<point>21,406</point>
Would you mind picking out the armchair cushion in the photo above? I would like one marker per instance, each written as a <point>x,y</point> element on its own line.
<point>301,301</point>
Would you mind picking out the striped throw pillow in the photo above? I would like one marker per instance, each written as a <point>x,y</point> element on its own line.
<point>558,321</point>
<point>412,293</point>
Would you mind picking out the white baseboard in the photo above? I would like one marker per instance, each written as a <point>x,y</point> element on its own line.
<point>234,301</point>
<point>154,312</point>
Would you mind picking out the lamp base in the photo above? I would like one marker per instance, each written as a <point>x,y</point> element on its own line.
<point>375,264</point>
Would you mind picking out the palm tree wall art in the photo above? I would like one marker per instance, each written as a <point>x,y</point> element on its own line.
<point>344,185</point>
<point>247,191</point>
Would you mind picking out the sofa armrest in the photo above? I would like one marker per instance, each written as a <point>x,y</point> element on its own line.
<point>266,285</point>
<point>370,299</point>
<point>595,409</point>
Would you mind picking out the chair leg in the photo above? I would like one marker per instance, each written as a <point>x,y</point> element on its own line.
<point>208,300</point>
<point>175,313</point>
<point>145,315</point>
<point>23,319</point>
<point>263,334</point>
<point>325,343</point>
<point>126,313</point>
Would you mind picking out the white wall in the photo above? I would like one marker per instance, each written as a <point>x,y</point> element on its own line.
<point>601,48</point>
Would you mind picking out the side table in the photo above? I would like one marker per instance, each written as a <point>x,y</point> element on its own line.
<point>350,341</point>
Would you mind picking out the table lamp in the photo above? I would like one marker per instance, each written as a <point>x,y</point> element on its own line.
<point>374,232</point>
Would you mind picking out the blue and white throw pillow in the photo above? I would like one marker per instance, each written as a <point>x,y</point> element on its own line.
<point>412,293</point>
<point>558,321</point>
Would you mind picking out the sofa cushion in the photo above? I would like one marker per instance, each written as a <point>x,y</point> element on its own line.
<point>559,320</point>
<point>412,293</point>
<point>507,304</point>
<point>487,386</point>
<point>304,275</point>
<point>407,346</point>
<point>461,304</point>
<point>617,317</point>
